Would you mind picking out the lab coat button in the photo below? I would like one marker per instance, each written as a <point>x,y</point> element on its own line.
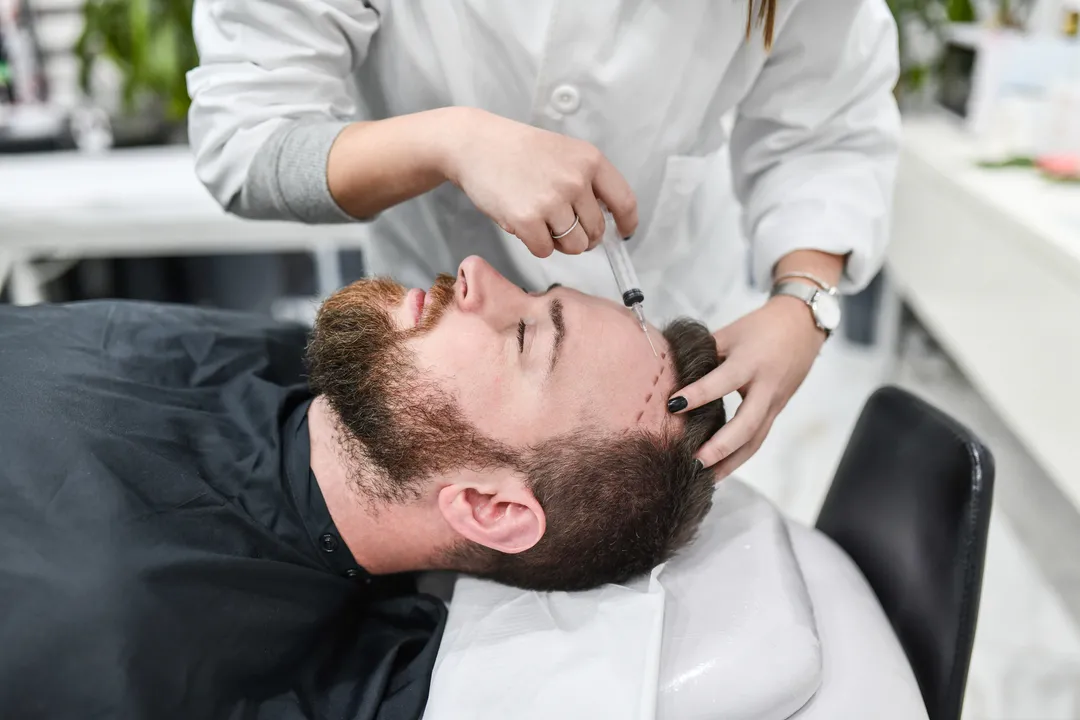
<point>566,99</point>
<point>328,542</point>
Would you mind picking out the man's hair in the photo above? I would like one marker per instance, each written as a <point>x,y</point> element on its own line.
<point>616,505</point>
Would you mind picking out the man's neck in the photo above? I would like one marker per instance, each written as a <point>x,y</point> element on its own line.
<point>383,539</point>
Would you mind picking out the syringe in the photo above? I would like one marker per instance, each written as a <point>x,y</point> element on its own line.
<point>625,277</point>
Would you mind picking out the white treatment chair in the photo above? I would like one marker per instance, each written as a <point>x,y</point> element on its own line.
<point>870,615</point>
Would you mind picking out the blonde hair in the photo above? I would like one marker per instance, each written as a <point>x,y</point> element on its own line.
<point>766,14</point>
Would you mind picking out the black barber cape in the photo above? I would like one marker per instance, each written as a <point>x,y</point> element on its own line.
<point>165,551</point>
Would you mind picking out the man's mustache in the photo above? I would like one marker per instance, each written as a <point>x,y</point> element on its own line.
<point>438,300</point>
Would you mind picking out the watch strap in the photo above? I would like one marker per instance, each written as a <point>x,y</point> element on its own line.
<point>831,289</point>
<point>799,290</point>
<point>807,293</point>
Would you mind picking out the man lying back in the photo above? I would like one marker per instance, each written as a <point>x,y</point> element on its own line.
<point>187,529</point>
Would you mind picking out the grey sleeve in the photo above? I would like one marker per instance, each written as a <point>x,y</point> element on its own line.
<point>287,177</point>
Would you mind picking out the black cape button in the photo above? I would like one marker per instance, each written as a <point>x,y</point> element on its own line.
<point>351,573</point>
<point>329,543</point>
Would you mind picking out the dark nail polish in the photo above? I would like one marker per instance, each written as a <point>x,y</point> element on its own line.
<point>628,238</point>
<point>698,466</point>
<point>676,404</point>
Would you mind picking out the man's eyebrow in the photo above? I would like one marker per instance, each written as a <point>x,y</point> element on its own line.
<point>555,308</point>
<point>550,287</point>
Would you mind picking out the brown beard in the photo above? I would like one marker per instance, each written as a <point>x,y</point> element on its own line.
<point>396,428</point>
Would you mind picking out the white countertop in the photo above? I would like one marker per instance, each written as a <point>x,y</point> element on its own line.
<point>130,201</point>
<point>1049,210</point>
<point>989,259</point>
<point>158,181</point>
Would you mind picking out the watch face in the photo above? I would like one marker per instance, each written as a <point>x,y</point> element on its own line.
<point>826,311</point>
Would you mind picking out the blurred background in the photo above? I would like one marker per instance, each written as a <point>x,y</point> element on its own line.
<point>978,308</point>
<point>93,103</point>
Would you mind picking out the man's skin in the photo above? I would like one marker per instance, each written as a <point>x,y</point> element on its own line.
<point>519,389</point>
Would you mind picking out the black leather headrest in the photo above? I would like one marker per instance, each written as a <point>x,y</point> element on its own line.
<point>910,503</point>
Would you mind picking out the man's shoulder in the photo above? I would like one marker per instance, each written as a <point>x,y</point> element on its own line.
<point>130,382</point>
<point>125,338</point>
<point>93,313</point>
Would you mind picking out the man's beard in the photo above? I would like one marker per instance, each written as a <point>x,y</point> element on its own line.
<point>396,428</point>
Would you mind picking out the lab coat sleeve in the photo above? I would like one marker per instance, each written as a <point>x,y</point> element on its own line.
<point>270,96</point>
<point>815,141</point>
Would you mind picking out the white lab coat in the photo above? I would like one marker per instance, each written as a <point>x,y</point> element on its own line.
<point>649,82</point>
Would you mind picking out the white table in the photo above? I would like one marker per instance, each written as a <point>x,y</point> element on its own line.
<point>989,260</point>
<point>138,202</point>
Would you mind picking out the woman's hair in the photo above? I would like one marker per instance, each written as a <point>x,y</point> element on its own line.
<point>765,10</point>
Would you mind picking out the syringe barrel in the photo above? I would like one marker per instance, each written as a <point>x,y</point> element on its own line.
<point>625,277</point>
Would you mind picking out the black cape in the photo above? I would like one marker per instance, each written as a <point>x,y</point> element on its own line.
<point>164,549</point>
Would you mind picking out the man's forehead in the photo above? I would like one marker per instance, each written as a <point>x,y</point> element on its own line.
<point>654,403</point>
<point>614,372</point>
<point>632,387</point>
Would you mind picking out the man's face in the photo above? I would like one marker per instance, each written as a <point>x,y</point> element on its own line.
<point>527,367</point>
<point>540,417</point>
<point>477,371</point>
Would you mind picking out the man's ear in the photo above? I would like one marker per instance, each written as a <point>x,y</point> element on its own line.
<point>493,509</point>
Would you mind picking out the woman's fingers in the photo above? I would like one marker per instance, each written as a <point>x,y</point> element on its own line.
<point>724,339</point>
<point>735,460</point>
<point>520,175</point>
<point>750,418</point>
<point>611,188</point>
<point>566,231</point>
<point>592,217</point>
<point>724,380</point>
<point>535,234</point>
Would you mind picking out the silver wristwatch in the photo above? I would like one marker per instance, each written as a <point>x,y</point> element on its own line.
<point>823,303</point>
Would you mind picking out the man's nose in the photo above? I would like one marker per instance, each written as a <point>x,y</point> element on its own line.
<point>481,290</point>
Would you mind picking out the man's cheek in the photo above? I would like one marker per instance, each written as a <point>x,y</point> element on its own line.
<point>443,351</point>
<point>493,401</point>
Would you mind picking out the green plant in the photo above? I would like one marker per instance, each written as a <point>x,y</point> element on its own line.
<point>931,17</point>
<point>149,41</point>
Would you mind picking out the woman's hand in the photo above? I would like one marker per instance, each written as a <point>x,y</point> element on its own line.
<point>766,356</point>
<point>533,182</point>
<point>530,181</point>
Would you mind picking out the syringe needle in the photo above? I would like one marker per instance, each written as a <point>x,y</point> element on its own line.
<point>649,338</point>
<point>639,313</point>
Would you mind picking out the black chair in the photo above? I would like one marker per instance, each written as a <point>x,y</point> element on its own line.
<point>910,503</point>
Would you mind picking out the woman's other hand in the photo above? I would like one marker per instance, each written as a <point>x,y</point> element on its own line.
<point>765,355</point>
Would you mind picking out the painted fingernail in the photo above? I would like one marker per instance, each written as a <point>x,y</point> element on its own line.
<point>676,404</point>
<point>628,238</point>
<point>698,466</point>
